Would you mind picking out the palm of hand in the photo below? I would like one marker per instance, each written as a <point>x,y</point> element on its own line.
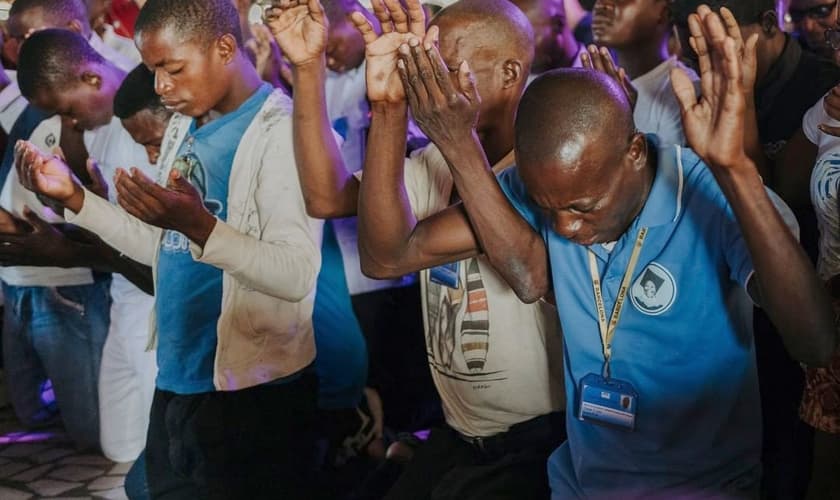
<point>301,38</point>
<point>53,178</point>
<point>715,128</point>
<point>383,79</point>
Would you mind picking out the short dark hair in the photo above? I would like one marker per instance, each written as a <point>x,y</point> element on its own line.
<point>61,12</point>
<point>195,20</point>
<point>745,11</point>
<point>137,93</point>
<point>49,60</point>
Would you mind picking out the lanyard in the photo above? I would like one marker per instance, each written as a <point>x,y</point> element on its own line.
<point>608,330</point>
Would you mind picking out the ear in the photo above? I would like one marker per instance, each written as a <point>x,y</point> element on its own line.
<point>512,70</point>
<point>637,153</point>
<point>227,47</point>
<point>76,27</point>
<point>90,77</point>
<point>769,22</point>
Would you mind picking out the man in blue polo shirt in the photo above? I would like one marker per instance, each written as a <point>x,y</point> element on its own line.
<point>647,251</point>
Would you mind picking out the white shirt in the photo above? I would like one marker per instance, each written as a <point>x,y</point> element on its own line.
<point>112,147</point>
<point>657,109</point>
<point>122,45</point>
<point>495,360</point>
<point>825,179</point>
<point>12,102</point>
<point>14,197</point>
<point>116,58</point>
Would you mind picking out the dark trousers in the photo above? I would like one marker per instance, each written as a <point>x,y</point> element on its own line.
<point>446,467</point>
<point>392,322</point>
<point>256,443</point>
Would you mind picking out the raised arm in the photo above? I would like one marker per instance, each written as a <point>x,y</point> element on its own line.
<point>329,190</point>
<point>448,115</point>
<point>391,242</point>
<point>785,283</point>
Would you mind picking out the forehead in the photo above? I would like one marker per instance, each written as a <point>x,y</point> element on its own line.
<point>459,41</point>
<point>144,126</point>
<point>160,47</point>
<point>576,169</point>
<point>33,18</point>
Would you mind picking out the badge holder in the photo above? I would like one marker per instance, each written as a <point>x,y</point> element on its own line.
<point>447,275</point>
<point>608,401</point>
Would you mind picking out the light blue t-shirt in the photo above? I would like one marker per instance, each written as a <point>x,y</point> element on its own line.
<point>341,360</point>
<point>189,293</point>
<point>680,341</point>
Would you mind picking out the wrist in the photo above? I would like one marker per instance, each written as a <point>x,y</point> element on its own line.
<point>312,66</point>
<point>199,231</point>
<point>389,109</point>
<point>76,200</point>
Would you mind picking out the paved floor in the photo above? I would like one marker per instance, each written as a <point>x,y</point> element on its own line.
<point>44,464</point>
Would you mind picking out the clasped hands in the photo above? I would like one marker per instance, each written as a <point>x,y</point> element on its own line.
<point>178,206</point>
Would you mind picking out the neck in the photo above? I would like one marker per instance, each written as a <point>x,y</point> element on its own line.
<point>640,58</point>
<point>648,175</point>
<point>245,82</point>
<point>769,51</point>
<point>497,141</point>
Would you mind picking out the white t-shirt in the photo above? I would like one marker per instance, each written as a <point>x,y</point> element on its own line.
<point>12,102</point>
<point>14,197</point>
<point>657,109</point>
<point>348,111</point>
<point>122,45</point>
<point>112,147</point>
<point>495,360</point>
<point>825,179</point>
<point>118,59</point>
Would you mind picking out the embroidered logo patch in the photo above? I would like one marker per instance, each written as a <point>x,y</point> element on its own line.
<point>654,291</point>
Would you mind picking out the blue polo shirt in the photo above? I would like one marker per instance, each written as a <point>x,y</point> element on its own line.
<point>682,341</point>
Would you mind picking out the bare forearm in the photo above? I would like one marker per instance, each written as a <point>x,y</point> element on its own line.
<point>790,291</point>
<point>386,220</point>
<point>516,251</point>
<point>328,189</point>
<point>752,143</point>
<point>138,274</point>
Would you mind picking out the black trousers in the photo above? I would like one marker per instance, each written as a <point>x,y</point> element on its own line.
<point>256,443</point>
<point>446,467</point>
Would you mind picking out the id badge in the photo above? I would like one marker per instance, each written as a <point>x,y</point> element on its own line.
<point>447,275</point>
<point>609,402</point>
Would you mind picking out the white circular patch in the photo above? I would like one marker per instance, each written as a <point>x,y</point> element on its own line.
<point>654,291</point>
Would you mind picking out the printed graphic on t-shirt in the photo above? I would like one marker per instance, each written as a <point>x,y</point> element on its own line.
<point>654,290</point>
<point>458,339</point>
<point>191,168</point>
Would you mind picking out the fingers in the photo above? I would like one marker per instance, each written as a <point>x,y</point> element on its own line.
<point>410,74</point>
<point>443,82</point>
<point>732,28</point>
<point>704,63</point>
<point>830,130</point>
<point>398,15</point>
<point>683,89</point>
<point>380,10</point>
<point>38,224</point>
<point>365,28</point>
<point>466,80</point>
<point>416,17</point>
<point>426,59</point>
<point>177,182</point>
<point>316,10</point>
<point>135,198</point>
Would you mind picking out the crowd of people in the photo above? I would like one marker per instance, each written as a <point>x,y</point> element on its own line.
<point>461,249</point>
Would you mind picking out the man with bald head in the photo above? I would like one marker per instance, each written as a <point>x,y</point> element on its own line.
<point>555,45</point>
<point>495,361</point>
<point>644,249</point>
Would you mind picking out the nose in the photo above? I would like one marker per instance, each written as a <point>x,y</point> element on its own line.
<point>566,224</point>
<point>162,83</point>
